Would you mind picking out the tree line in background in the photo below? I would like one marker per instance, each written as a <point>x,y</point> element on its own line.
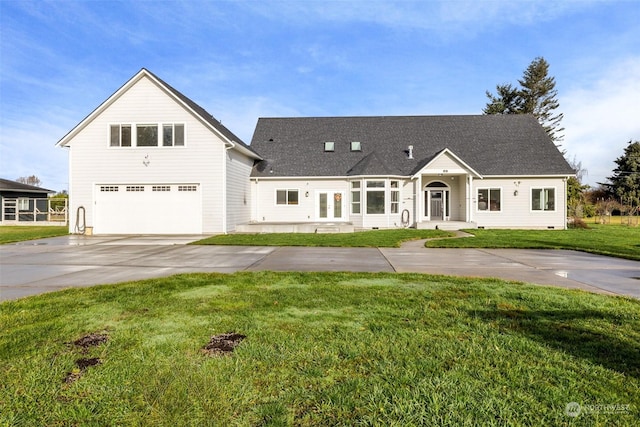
<point>620,195</point>
<point>536,95</point>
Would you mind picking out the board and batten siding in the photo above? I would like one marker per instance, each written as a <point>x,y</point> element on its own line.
<point>516,209</point>
<point>92,161</point>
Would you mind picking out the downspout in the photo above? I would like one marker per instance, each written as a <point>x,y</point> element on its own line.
<point>564,184</point>
<point>224,186</point>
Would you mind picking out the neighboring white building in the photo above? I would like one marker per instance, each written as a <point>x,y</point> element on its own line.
<point>150,161</point>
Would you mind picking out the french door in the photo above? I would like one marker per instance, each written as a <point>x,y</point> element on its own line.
<point>330,205</point>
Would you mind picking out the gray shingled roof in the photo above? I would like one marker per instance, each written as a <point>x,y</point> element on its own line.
<point>204,114</point>
<point>490,144</point>
<point>9,185</point>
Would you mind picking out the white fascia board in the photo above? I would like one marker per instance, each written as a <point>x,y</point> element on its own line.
<point>528,176</point>
<point>455,157</point>
<point>100,108</point>
<point>344,177</point>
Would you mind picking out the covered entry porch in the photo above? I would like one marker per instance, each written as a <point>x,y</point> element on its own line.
<point>444,196</point>
<point>444,202</point>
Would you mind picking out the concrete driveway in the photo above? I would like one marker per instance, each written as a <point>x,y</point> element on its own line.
<point>39,266</point>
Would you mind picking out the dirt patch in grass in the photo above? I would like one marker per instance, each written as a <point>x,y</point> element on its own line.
<point>220,345</point>
<point>85,343</point>
<point>82,365</point>
<point>91,340</point>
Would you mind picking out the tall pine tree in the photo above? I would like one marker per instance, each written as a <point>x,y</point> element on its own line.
<point>625,181</point>
<point>536,95</point>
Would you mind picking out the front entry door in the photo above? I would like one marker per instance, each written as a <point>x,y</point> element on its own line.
<point>330,205</point>
<point>436,205</point>
<point>437,211</point>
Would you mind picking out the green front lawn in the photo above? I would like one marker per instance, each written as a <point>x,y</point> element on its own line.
<point>20,233</point>
<point>370,239</point>
<point>320,349</point>
<point>613,240</point>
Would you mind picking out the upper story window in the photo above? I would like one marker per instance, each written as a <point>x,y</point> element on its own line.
<point>120,136</point>
<point>147,135</point>
<point>172,135</point>
<point>329,146</point>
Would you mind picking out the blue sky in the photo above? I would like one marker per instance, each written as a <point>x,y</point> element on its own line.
<point>242,60</point>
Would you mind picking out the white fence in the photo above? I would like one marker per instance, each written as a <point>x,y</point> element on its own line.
<point>30,211</point>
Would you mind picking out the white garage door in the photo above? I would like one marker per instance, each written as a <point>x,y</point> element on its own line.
<point>148,209</point>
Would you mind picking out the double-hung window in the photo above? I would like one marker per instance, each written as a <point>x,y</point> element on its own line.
<point>355,197</point>
<point>489,200</point>
<point>395,197</point>
<point>286,197</point>
<point>375,197</point>
<point>543,199</point>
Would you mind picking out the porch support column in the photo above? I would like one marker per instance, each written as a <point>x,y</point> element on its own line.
<point>419,202</point>
<point>469,198</point>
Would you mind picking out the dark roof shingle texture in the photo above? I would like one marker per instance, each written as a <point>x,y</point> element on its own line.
<point>490,144</point>
<point>9,185</point>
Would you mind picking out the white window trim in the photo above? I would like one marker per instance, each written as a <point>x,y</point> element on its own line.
<point>351,191</point>
<point>391,191</point>
<point>173,134</point>
<point>488,210</point>
<point>134,136</point>
<point>384,190</point>
<point>275,197</point>
<point>21,204</point>
<point>120,147</point>
<point>542,211</point>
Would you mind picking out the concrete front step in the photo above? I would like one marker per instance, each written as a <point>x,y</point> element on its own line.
<point>311,227</point>
<point>446,225</point>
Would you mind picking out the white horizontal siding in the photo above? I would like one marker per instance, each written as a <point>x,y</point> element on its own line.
<point>238,189</point>
<point>516,209</point>
<point>265,208</point>
<point>93,162</point>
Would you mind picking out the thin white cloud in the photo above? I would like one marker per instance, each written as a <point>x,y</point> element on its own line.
<point>601,116</point>
<point>445,17</point>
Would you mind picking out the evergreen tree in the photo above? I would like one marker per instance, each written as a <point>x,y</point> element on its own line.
<point>536,95</point>
<point>505,102</point>
<point>625,181</point>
